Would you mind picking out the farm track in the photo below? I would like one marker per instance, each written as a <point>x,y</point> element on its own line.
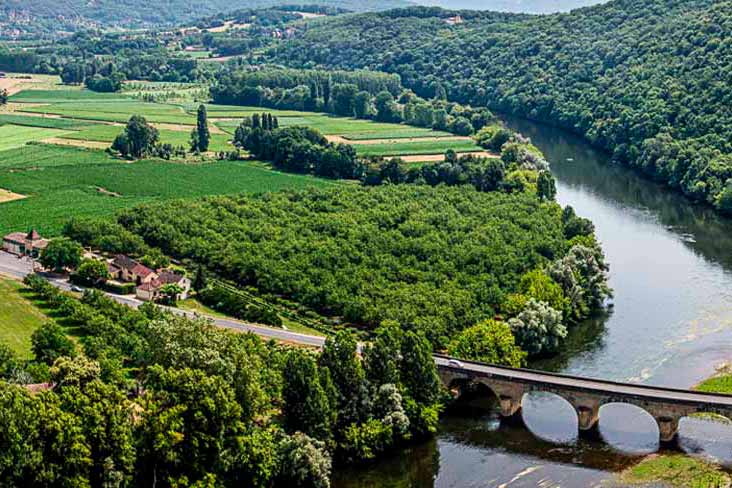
<point>431,158</point>
<point>76,143</point>
<point>9,196</point>
<point>357,142</point>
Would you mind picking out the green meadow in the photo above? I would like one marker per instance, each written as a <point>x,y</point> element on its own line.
<point>416,147</point>
<point>12,136</point>
<point>80,182</point>
<point>107,133</point>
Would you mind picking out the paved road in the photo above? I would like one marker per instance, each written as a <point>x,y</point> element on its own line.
<point>585,385</point>
<point>19,268</point>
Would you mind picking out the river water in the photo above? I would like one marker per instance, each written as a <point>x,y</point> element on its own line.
<point>671,324</point>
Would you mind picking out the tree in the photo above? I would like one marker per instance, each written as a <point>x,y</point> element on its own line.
<point>200,281</point>
<point>490,342</point>
<point>343,98</point>
<point>305,405</point>
<point>200,136</point>
<point>386,108</point>
<point>418,369</point>
<point>305,463</point>
<point>61,253</point>
<point>104,412</point>
<point>138,139</point>
<point>190,421</point>
<point>538,328</point>
<point>42,444</point>
<point>4,97</point>
<point>92,271</point>
<point>440,93</point>
<point>546,188</point>
<point>362,105</point>
<point>49,342</point>
<point>170,293</point>
<point>724,199</point>
<point>381,356</point>
<point>340,356</point>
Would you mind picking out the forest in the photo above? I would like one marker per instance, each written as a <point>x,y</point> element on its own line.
<point>135,402</point>
<point>435,260</point>
<point>646,81</point>
<point>19,19</point>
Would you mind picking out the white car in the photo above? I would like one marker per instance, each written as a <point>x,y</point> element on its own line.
<point>455,363</point>
<point>77,289</point>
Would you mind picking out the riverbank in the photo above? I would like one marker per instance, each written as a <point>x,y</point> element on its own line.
<point>681,470</point>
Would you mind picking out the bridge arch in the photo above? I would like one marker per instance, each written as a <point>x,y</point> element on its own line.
<point>628,427</point>
<point>550,416</point>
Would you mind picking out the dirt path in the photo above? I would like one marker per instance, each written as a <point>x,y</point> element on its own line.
<point>431,158</point>
<point>9,196</point>
<point>76,143</point>
<point>187,128</point>
<point>356,142</point>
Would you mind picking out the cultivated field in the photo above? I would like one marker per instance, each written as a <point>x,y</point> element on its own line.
<point>45,184</point>
<point>12,136</point>
<point>63,182</point>
<point>107,133</point>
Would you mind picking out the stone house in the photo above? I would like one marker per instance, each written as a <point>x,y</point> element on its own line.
<point>22,244</point>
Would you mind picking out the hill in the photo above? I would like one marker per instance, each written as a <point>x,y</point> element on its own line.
<point>519,6</point>
<point>22,17</point>
<point>647,80</point>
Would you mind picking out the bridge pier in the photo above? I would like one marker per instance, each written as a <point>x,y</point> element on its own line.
<point>668,427</point>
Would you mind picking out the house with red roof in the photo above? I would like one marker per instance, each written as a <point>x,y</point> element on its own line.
<point>25,244</point>
<point>150,283</point>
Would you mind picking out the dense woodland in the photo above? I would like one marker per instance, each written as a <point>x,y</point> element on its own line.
<point>146,398</point>
<point>19,18</point>
<point>435,260</point>
<point>647,81</point>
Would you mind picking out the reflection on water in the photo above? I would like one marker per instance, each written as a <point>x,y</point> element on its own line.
<point>671,269</point>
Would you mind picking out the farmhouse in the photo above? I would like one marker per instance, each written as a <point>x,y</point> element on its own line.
<point>22,244</point>
<point>149,282</point>
<point>124,268</point>
<point>153,290</point>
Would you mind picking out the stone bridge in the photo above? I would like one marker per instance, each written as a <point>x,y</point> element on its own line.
<point>666,405</point>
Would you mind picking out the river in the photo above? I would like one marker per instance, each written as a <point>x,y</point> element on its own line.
<point>671,324</point>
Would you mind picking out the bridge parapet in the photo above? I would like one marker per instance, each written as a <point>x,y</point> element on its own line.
<point>667,406</point>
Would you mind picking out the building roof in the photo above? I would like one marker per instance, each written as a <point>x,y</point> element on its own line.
<point>141,270</point>
<point>124,262</point>
<point>31,239</point>
<point>166,277</point>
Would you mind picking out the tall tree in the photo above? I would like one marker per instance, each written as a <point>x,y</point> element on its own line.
<point>419,372</point>
<point>200,136</point>
<point>340,356</point>
<point>306,407</point>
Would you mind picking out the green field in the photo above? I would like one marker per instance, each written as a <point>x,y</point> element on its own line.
<point>405,133</point>
<point>65,95</point>
<point>42,156</point>
<point>12,136</point>
<point>81,182</point>
<point>47,122</point>
<point>117,111</point>
<point>107,133</point>
<point>419,147</point>
<point>19,317</point>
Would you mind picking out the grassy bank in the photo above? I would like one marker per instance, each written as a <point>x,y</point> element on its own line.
<point>19,317</point>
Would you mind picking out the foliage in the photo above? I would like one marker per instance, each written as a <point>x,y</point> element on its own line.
<point>305,463</point>
<point>538,328</point>
<point>490,342</point>
<point>92,271</point>
<point>306,407</point>
<point>50,343</point>
<point>368,254</point>
<point>200,136</point>
<point>592,71</point>
<point>138,139</point>
<point>61,254</point>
